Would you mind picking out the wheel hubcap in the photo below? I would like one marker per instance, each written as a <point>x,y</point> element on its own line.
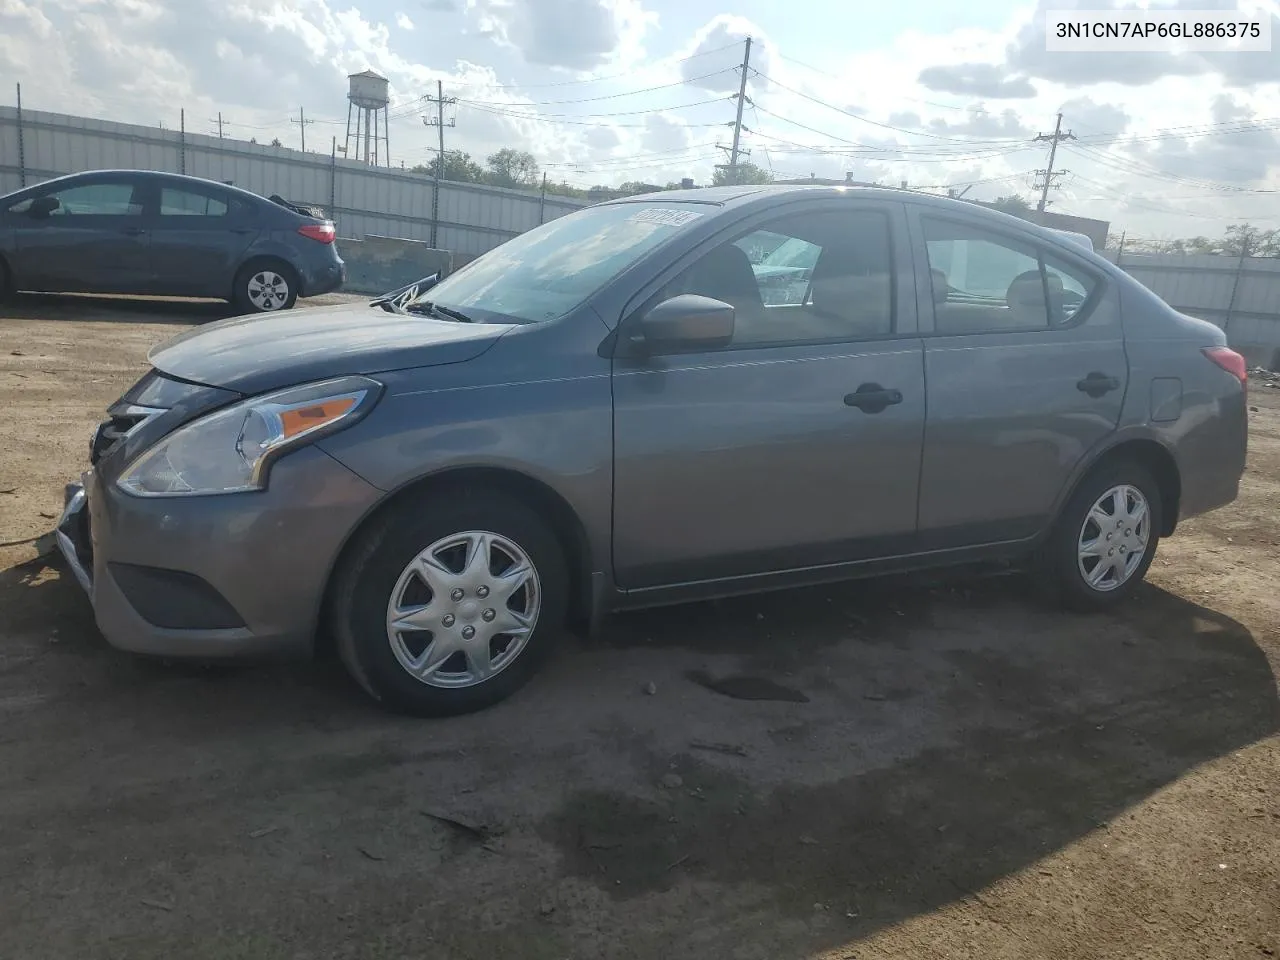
<point>268,290</point>
<point>1114,537</point>
<point>463,609</point>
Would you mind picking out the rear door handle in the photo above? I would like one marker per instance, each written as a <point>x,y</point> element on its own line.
<point>1096,384</point>
<point>132,231</point>
<point>872,398</point>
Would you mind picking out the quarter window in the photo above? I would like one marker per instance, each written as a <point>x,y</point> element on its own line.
<point>185,203</point>
<point>805,278</point>
<point>986,283</point>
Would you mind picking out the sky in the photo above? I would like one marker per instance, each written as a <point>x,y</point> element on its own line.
<point>936,93</point>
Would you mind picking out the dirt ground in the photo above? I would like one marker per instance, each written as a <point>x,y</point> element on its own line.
<point>968,774</point>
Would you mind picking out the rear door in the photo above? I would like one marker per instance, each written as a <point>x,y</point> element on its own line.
<point>1025,370</point>
<point>92,240</point>
<point>199,236</point>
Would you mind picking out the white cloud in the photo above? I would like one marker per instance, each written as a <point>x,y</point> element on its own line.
<point>965,104</point>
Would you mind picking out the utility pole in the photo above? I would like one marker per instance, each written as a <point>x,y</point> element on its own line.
<point>1054,139</point>
<point>742,100</point>
<point>439,123</point>
<point>302,122</point>
<point>219,123</point>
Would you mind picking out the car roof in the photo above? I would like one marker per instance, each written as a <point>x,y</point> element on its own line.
<point>766,194</point>
<point>159,175</point>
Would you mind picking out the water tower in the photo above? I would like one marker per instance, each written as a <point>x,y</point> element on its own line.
<point>366,98</point>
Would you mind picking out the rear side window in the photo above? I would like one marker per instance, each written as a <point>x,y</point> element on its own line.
<point>984,282</point>
<point>188,203</point>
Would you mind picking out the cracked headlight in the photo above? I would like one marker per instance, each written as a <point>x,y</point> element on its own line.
<point>231,450</point>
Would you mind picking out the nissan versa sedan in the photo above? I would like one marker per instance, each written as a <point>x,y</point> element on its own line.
<point>604,413</point>
<point>145,233</point>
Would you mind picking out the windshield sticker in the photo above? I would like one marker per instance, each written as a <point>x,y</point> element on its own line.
<point>668,218</point>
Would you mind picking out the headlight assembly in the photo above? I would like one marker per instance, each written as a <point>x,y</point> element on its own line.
<point>231,450</point>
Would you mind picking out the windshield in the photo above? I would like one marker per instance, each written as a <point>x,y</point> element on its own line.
<point>547,272</point>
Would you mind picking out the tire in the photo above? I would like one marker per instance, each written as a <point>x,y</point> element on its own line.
<point>265,286</point>
<point>375,573</point>
<point>1065,569</point>
<point>6,282</point>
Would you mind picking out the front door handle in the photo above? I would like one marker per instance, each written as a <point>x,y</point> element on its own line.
<point>872,398</point>
<point>1096,384</point>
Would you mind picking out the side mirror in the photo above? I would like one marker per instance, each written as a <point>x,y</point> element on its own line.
<point>41,207</point>
<point>689,321</point>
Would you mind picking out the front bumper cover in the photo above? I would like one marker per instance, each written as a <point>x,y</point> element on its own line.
<point>267,556</point>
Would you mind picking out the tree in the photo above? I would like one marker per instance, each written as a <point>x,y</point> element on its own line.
<point>276,142</point>
<point>1012,205</point>
<point>512,168</point>
<point>458,166</point>
<point>744,172</point>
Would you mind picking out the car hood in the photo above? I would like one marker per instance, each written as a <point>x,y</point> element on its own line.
<point>268,351</point>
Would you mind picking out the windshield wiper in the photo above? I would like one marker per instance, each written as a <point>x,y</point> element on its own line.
<point>448,313</point>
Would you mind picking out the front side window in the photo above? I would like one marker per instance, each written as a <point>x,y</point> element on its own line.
<point>89,199</point>
<point>186,203</point>
<point>552,269</point>
<point>803,278</point>
<point>988,283</point>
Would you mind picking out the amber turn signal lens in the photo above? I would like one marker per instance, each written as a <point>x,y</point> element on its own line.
<point>301,419</point>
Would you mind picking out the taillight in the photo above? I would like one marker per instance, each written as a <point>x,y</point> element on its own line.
<point>323,232</point>
<point>1229,361</point>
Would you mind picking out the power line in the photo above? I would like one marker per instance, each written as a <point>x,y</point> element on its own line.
<point>809,66</point>
<point>877,123</point>
<point>584,116</point>
<point>867,151</point>
<point>1127,165</point>
<point>608,96</point>
<point>579,123</point>
<point>614,76</point>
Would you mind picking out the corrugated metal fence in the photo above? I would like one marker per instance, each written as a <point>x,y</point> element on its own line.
<point>362,200</point>
<point>1239,294</point>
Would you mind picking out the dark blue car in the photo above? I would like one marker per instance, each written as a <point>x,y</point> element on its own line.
<point>160,234</point>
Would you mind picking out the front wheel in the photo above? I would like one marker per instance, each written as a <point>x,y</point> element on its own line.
<point>449,606</point>
<point>1106,538</point>
<point>265,287</point>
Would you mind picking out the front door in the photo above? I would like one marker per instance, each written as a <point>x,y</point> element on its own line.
<point>1026,372</point>
<point>87,237</point>
<point>199,236</point>
<point>798,444</point>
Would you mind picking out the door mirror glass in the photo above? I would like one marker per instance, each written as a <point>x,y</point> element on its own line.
<point>42,207</point>
<point>688,321</point>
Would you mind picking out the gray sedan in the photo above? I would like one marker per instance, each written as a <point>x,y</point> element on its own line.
<point>605,413</point>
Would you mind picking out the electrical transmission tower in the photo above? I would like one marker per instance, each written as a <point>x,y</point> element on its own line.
<point>1049,173</point>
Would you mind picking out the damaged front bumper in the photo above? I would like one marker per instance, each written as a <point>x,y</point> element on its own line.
<point>75,542</point>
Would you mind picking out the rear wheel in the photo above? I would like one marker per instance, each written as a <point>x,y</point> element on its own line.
<point>265,286</point>
<point>447,607</point>
<point>1106,538</point>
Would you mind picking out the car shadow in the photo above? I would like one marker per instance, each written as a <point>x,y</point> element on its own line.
<point>113,309</point>
<point>1050,743</point>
